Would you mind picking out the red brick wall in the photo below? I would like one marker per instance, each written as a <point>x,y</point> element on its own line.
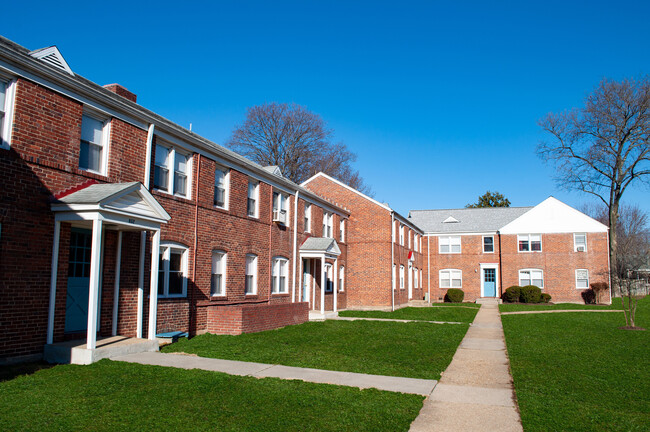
<point>252,318</point>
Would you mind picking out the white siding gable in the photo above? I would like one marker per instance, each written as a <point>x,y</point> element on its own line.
<point>132,203</point>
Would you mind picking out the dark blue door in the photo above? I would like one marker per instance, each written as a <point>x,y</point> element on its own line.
<point>489,282</point>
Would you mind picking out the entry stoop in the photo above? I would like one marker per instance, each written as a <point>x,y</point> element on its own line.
<point>488,300</point>
<point>317,316</point>
<point>75,352</point>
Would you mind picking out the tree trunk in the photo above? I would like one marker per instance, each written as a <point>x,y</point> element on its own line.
<point>613,264</point>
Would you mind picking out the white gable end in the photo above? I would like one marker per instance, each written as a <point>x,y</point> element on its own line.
<point>553,216</point>
<point>133,203</point>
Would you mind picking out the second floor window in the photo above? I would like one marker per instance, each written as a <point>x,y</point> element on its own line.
<point>251,204</point>
<point>580,242</point>
<point>307,217</point>
<point>280,206</point>
<point>327,224</point>
<point>221,187</point>
<point>530,242</point>
<point>401,235</point>
<point>92,149</point>
<point>6,101</point>
<point>488,244</point>
<point>449,244</point>
<point>342,230</point>
<point>171,171</point>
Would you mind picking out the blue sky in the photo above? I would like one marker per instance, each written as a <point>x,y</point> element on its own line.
<point>440,100</point>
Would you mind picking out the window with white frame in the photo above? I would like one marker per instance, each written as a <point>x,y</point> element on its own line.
<point>401,277</point>
<point>409,236</point>
<point>415,278</point>
<point>449,244</point>
<point>342,279</point>
<point>580,242</point>
<point>530,242</point>
<point>327,224</point>
<point>488,244</point>
<point>401,235</point>
<point>420,244</point>
<point>250,284</point>
<point>451,278</point>
<point>6,107</point>
<point>329,284</point>
<point>280,208</point>
<point>251,203</point>
<point>415,242</point>
<point>221,187</point>
<point>218,281</point>
<point>393,232</point>
<point>171,170</point>
<point>92,149</point>
<point>307,217</point>
<point>421,280</point>
<point>582,279</point>
<point>172,271</point>
<point>342,230</point>
<point>531,277</point>
<point>279,276</point>
<point>394,277</point>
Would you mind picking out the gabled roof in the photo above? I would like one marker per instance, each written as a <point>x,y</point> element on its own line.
<point>465,220</point>
<point>274,169</point>
<point>321,245</point>
<point>52,56</point>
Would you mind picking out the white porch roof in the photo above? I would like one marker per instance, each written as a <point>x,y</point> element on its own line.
<point>316,246</point>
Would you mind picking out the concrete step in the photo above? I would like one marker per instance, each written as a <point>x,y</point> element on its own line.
<point>317,316</point>
<point>488,300</point>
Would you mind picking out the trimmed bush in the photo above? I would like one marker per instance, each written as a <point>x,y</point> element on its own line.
<point>454,295</point>
<point>512,294</point>
<point>546,298</point>
<point>530,294</point>
<point>599,288</point>
<point>589,296</point>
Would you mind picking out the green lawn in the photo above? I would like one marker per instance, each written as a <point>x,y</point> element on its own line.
<point>108,396</point>
<point>449,314</point>
<point>414,349</point>
<point>512,307</point>
<point>579,371</point>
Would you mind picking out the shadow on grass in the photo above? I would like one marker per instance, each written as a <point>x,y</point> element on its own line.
<point>10,372</point>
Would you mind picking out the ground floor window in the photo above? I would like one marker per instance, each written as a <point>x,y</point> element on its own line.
<point>401,277</point>
<point>531,277</point>
<point>582,279</point>
<point>279,279</point>
<point>342,279</point>
<point>218,281</point>
<point>416,278</point>
<point>329,283</point>
<point>451,278</point>
<point>172,271</point>
<point>251,274</point>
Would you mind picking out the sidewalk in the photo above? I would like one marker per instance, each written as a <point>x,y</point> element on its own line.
<point>475,393</point>
<point>340,318</point>
<point>421,387</point>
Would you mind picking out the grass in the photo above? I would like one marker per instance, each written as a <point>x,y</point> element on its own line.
<point>514,307</point>
<point>449,314</point>
<point>577,371</point>
<point>415,350</point>
<point>108,396</point>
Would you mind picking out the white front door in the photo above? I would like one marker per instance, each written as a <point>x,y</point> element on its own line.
<point>410,280</point>
<point>305,279</point>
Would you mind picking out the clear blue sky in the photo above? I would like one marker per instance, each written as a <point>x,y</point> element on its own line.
<point>440,100</point>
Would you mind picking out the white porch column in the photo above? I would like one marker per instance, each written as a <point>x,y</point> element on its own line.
<point>140,311</point>
<point>323,285</point>
<point>153,293</point>
<point>93,294</point>
<point>53,275</point>
<point>116,293</point>
<point>336,283</point>
<point>301,275</point>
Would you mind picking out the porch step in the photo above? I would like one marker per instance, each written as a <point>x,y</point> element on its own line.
<point>488,300</point>
<point>317,316</point>
<point>75,352</point>
<point>418,303</point>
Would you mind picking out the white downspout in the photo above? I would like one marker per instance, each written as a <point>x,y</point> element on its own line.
<point>295,247</point>
<point>429,267</point>
<point>143,236</point>
<point>392,259</point>
<point>609,271</point>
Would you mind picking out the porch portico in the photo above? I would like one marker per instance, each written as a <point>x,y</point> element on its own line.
<point>119,207</point>
<point>321,249</point>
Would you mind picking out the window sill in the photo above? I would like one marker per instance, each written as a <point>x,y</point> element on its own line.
<point>171,196</point>
<point>172,297</point>
<point>282,294</point>
<point>251,295</point>
<point>219,297</point>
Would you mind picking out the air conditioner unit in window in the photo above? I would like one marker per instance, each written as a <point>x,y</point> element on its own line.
<point>580,248</point>
<point>280,216</point>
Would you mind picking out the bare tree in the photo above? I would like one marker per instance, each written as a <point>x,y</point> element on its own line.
<point>602,148</point>
<point>297,141</point>
<point>490,199</point>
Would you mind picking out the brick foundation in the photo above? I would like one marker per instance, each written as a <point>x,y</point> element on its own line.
<point>251,318</point>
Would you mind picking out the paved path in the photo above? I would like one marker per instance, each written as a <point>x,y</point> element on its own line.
<point>261,370</point>
<point>475,393</point>
<point>559,311</point>
<point>340,318</point>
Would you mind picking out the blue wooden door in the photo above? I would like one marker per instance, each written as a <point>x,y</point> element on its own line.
<point>76,306</point>
<point>489,282</point>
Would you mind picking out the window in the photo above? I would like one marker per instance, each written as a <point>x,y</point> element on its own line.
<point>218,282</point>
<point>307,217</point>
<point>92,151</point>
<point>167,160</point>
<point>415,242</point>
<point>341,279</point>
<point>449,244</point>
<point>580,242</point>
<point>409,235</point>
<point>488,244</point>
<point>393,232</point>
<point>394,280</point>
<point>280,208</point>
<point>401,277</point>
<point>329,284</point>
<point>221,180</point>
<point>250,285</point>
<point>415,278</point>
<point>451,278</point>
<point>251,206</point>
<point>421,281</point>
<point>6,104</point>
<point>420,244</point>
<point>279,279</point>
<point>530,242</point>
<point>327,224</point>
<point>172,271</point>
<point>531,277</point>
<point>401,235</point>
<point>582,279</point>
<point>342,230</point>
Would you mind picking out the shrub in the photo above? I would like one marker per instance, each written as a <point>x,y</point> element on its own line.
<point>546,298</point>
<point>454,295</point>
<point>589,296</point>
<point>530,294</point>
<point>599,288</point>
<point>512,294</point>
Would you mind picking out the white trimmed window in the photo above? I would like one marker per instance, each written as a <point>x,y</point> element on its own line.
<point>393,232</point>
<point>307,217</point>
<point>6,111</point>
<point>342,279</point>
<point>531,277</point>
<point>409,236</point>
<point>94,144</point>
<point>530,242</point>
<point>401,235</point>
<point>401,277</point>
<point>218,281</point>
<point>488,244</point>
<point>449,244</point>
<point>451,278</point>
<point>394,277</point>
<point>421,281</point>
<point>327,224</point>
<point>342,230</point>
<point>415,278</point>
<point>415,242</point>
<point>580,242</point>
<point>221,187</point>
<point>251,203</point>
<point>279,278</point>
<point>250,284</point>
<point>172,271</point>
<point>171,171</point>
<point>329,284</point>
<point>280,208</point>
<point>582,279</point>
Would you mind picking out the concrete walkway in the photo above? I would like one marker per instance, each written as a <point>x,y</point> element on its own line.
<point>340,318</point>
<point>475,393</point>
<point>261,370</point>
<point>559,311</point>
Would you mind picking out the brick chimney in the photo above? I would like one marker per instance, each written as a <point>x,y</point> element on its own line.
<point>122,91</point>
